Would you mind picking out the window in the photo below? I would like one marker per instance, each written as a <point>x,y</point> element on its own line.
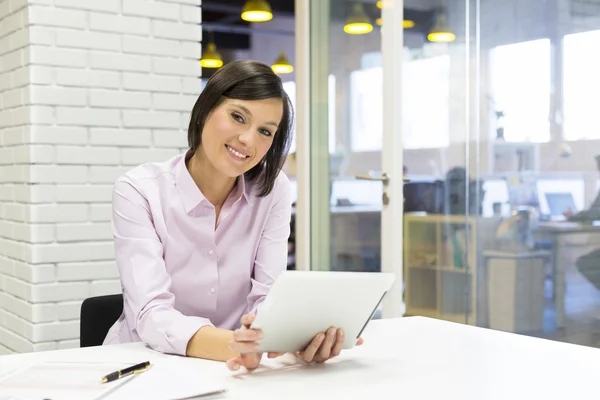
<point>426,106</point>
<point>581,85</point>
<point>426,98</point>
<point>520,87</point>
<point>290,89</point>
<point>366,109</point>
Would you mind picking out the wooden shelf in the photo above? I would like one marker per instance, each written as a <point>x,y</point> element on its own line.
<point>436,288</point>
<point>448,268</point>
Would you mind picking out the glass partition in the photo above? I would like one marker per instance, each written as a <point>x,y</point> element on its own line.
<point>501,156</point>
<point>540,261</point>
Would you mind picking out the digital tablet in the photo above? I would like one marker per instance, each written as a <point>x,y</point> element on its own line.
<point>301,304</point>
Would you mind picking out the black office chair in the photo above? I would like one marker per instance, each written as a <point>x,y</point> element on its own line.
<point>98,314</point>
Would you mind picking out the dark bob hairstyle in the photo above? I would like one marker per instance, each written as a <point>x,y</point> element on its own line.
<point>247,80</point>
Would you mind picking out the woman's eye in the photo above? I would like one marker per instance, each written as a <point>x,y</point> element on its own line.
<point>238,117</point>
<point>265,132</point>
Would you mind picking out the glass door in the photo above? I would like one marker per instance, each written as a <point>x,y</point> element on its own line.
<point>349,150</point>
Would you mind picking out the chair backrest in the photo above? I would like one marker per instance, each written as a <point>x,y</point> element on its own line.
<point>98,314</point>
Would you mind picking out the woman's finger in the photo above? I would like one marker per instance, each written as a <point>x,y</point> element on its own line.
<point>309,353</point>
<point>247,320</point>
<point>359,341</point>
<point>327,345</point>
<point>248,361</point>
<point>339,343</point>
<point>233,364</point>
<point>274,355</point>
<point>247,335</point>
<point>244,347</point>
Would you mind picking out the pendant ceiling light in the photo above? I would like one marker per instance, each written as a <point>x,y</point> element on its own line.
<point>282,65</point>
<point>211,57</point>
<point>358,23</point>
<point>257,11</point>
<point>406,23</point>
<point>441,33</point>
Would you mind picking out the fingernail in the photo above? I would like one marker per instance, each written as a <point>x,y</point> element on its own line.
<point>261,335</point>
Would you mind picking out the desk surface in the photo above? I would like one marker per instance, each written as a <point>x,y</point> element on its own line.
<point>410,358</point>
<point>568,227</point>
<point>352,209</point>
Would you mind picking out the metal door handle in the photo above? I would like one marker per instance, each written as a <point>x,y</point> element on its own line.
<point>383,178</point>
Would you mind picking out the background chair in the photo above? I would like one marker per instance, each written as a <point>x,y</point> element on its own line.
<point>98,314</point>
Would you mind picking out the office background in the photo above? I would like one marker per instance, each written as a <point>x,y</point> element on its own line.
<point>90,89</point>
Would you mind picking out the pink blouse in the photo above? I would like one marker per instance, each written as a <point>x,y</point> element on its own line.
<point>178,272</point>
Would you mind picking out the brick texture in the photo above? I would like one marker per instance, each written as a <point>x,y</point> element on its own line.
<point>88,89</point>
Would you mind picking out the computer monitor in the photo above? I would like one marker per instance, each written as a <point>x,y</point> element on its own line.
<point>559,203</point>
<point>424,195</point>
<point>562,192</point>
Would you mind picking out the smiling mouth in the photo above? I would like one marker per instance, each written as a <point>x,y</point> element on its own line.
<point>236,153</point>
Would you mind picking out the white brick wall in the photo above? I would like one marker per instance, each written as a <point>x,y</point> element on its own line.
<point>16,234</point>
<point>88,89</point>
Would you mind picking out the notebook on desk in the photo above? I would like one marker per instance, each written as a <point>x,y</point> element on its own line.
<point>168,379</point>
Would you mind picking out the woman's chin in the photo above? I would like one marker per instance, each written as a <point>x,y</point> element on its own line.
<point>235,168</point>
<point>233,171</point>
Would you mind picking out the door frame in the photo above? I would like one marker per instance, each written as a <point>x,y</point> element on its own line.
<point>312,165</point>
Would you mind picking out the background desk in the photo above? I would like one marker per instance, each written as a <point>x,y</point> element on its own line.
<point>406,358</point>
<point>355,238</point>
<point>558,232</point>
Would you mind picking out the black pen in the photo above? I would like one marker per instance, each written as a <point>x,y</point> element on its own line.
<point>134,369</point>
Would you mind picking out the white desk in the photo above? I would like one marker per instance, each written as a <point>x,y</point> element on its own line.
<point>558,231</point>
<point>406,358</point>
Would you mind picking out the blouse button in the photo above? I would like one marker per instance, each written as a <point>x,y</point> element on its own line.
<point>212,290</point>
<point>211,252</point>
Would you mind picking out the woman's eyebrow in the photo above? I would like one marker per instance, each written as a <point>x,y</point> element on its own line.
<point>244,109</point>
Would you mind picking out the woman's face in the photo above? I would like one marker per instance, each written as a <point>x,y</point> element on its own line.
<point>238,133</point>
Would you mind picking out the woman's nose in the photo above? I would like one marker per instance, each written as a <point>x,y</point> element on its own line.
<point>246,137</point>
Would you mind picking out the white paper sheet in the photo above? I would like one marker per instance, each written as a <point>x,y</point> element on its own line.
<point>61,381</point>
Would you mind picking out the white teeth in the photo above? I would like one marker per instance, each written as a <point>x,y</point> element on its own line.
<point>240,155</point>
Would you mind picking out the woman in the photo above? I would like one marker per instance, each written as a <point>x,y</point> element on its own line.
<point>200,238</point>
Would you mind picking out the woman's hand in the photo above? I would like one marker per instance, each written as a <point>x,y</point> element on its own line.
<point>324,346</point>
<point>245,343</point>
<point>568,214</point>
